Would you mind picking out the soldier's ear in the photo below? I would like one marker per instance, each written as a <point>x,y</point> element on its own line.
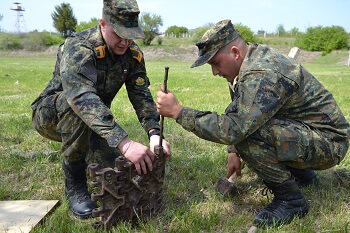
<point>235,51</point>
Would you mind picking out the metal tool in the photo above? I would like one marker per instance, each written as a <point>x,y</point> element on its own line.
<point>162,117</point>
<point>226,186</point>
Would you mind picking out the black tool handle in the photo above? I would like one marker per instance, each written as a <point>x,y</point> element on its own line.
<point>162,117</point>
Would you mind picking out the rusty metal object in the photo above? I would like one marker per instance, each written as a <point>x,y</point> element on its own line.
<point>226,186</point>
<point>124,195</point>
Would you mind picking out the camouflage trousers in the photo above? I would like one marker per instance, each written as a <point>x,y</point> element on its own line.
<point>55,120</point>
<point>283,142</point>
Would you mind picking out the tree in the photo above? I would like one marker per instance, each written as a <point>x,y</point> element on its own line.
<point>294,31</point>
<point>323,39</point>
<point>199,32</point>
<point>64,20</point>
<point>150,25</point>
<point>246,33</point>
<point>85,25</point>
<point>176,30</point>
<point>280,30</point>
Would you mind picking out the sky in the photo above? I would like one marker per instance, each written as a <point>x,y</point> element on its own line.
<point>256,14</point>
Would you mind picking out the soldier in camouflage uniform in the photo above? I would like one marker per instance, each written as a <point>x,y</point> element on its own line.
<point>282,122</point>
<point>74,108</point>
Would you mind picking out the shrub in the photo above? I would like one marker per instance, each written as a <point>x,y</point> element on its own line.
<point>199,32</point>
<point>86,25</point>
<point>159,40</point>
<point>246,33</point>
<point>10,41</point>
<point>39,41</point>
<point>323,39</point>
<point>33,41</point>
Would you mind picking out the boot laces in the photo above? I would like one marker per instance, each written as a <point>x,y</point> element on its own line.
<point>265,192</point>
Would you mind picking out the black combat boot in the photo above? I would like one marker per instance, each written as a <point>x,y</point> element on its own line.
<point>288,203</point>
<point>76,189</point>
<point>304,177</point>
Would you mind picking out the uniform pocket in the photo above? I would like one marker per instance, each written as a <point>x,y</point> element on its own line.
<point>293,143</point>
<point>47,112</point>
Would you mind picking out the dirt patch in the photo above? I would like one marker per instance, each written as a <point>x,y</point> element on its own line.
<point>51,51</point>
<point>304,56</point>
<point>307,56</point>
<point>186,53</point>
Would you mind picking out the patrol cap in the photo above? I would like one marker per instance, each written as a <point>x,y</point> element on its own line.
<point>123,15</point>
<point>214,39</point>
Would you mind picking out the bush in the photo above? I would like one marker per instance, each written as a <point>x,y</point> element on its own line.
<point>39,41</point>
<point>33,41</point>
<point>246,33</point>
<point>159,40</point>
<point>10,41</point>
<point>323,39</point>
<point>199,32</point>
<point>86,25</point>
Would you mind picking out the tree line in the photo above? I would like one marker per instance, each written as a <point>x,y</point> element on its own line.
<point>314,39</point>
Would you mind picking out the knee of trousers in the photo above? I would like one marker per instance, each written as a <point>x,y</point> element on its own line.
<point>45,119</point>
<point>272,146</point>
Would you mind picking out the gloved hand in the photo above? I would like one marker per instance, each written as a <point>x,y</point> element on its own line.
<point>154,141</point>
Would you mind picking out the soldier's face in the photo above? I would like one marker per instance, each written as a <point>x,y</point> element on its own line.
<point>116,43</point>
<point>225,64</point>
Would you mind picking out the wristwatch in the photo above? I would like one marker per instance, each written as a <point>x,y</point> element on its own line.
<point>153,132</point>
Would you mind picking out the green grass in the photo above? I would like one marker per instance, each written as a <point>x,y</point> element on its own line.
<point>30,164</point>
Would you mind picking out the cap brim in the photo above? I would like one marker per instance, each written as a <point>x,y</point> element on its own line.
<point>128,32</point>
<point>201,60</point>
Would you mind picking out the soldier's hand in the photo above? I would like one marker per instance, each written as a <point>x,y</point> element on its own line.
<point>234,165</point>
<point>154,141</point>
<point>167,104</point>
<point>138,154</point>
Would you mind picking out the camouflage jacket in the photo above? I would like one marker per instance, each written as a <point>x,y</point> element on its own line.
<point>89,75</point>
<point>269,85</point>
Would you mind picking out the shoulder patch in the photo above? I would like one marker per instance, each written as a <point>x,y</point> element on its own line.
<point>136,54</point>
<point>101,51</point>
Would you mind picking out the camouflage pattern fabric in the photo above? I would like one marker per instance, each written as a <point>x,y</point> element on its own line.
<point>214,39</point>
<point>280,114</point>
<point>123,16</point>
<point>77,100</point>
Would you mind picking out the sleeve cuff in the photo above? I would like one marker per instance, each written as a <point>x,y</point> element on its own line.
<point>152,124</point>
<point>231,149</point>
<point>115,137</point>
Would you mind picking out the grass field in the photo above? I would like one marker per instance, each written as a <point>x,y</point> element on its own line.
<point>30,165</point>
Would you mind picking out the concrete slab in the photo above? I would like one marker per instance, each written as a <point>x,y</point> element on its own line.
<point>294,52</point>
<point>22,216</point>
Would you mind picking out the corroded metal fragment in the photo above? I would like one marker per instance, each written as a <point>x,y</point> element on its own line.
<point>124,195</point>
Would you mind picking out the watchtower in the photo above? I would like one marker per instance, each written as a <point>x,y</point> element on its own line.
<point>20,25</point>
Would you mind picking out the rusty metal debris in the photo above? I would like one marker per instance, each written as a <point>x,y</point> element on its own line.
<point>124,195</point>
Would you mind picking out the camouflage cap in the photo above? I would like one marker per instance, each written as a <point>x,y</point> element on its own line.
<point>214,39</point>
<point>123,15</point>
